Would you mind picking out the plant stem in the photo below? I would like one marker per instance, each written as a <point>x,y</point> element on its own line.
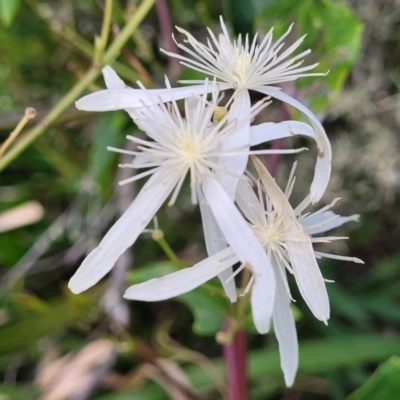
<point>235,357</point>
<point>158,236</point>
<point>29,114</point>
<point>80,86</point>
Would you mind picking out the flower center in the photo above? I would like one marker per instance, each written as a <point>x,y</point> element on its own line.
<point>242,64</point>
<point>190,148</point>
<point>272,234</point>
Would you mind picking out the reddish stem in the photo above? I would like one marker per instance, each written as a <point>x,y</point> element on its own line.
<point>235,356</point>
<point>166,35</point>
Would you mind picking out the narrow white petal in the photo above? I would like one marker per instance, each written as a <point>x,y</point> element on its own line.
<point>323,166</point>
<point>125,231</point>
<point>112,80</point>
<point>285,331</point>
<point>335,221</point>
<point>214,239</point>
<point>248,249</point>
<point>270,131</point>
<point>120,99</point>
<point>305,267</point>
<point>182,281</point>
<point>239,139</point>
<point>248,202</point>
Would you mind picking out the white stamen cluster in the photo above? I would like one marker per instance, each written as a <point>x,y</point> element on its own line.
<point>245,65</point>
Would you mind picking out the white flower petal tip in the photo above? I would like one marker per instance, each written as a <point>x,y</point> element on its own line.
<point>112,80</point>
<point>182,281</point>
<point>125,231</point>
<point>298,246</point>
<point>247,247</point>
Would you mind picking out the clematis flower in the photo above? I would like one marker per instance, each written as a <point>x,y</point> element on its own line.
<point>286,235</point>
<point>180,147</point>
<point>238,65</point>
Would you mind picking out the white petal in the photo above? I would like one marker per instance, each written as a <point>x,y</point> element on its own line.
<point>248,202</point>
<point>120,99</point>
<point>326,216</point>
<point>112,80</point>
<point>285,331</point>
<point>271,131</point>
<point>323,166</point>
<point>240,139</point>
<point>248,249</point>
<point>125,231</point>
<point>182,281</point>
<point>305,267</point>
<point>215,243</point>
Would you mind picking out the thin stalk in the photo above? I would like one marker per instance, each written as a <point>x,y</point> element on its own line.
<point>158,236</point>
<point>91,75</point>
<point>166,34</point>
<point>105,31</point>
<point>235,357</point>
<point>30,113</point>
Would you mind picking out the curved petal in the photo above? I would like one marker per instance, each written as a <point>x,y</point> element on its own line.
<point>323,166</point>
<point>125,231</point>
<point>214,244</point>
<point>112,80</point>
<point>270,131</point>
<point>239,139</point>
<point>182,281</point>
<point>285,331</point>
<point>305,267</point>
<point>328,221</point>
<point>126,98</point>
<point>248,202</point>
<point>248,249</point>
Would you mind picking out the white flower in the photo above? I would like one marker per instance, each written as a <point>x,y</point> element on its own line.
<point>237,65</point>
<point>286,236</point>
<point>180,147</point>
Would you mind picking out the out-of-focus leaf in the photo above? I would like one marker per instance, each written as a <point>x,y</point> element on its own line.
<point>316,357</point>
<point>18,335</point>
<point>146,392</point>
<point>333,34</point>
<point>242,16</point>
<point>208,309</point>
<point>17,392</point>
<point>8,10</point>
<point>107,133</point>
<point>384,384</point>
<point>347,305</point>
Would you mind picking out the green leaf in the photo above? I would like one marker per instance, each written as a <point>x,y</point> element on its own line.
<point>242,16</point>
<point>107,133</point>
<point>207,307</point>
<point>384,384</point>
<point>14,392</point>
<point>8,10</point>
<point>333,34</point>
<point>316,357</point>
<point>18,335</point>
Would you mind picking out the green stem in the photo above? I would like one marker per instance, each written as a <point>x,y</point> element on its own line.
<point>158,236</point>
<point>105,30</point>
<point>127,31</point>
<point>80,86</point>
